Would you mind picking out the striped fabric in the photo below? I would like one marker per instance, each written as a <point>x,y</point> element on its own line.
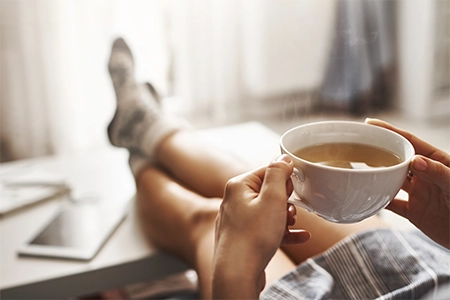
<point>375,264</point>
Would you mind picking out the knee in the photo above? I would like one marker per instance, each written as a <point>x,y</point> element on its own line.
<point>205,215</point>
<point>203,219</point>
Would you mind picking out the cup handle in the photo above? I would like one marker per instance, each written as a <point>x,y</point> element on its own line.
<point>295,200</point>
<point>298,177</point>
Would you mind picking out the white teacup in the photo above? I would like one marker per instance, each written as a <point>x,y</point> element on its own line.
<point>345,195</point>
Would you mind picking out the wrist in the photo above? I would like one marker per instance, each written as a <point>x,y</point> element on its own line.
<point>237,272</point>
<point>235,283</point>
<point>244,258</point>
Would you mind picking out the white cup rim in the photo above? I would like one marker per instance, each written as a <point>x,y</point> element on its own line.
<point>406,161</point>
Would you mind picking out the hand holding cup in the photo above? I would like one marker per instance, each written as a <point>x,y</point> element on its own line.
<point>351,179</point>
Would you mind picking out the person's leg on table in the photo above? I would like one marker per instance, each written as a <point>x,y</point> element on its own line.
<point>215,168</point>
<point>203,167</point>
<point>174,198</point>
<point>182,222</point>
<point>169,163</point>
<point>140,126</point>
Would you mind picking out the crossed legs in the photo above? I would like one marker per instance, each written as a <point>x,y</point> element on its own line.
<point>180,181</point>
<point>180,198</point>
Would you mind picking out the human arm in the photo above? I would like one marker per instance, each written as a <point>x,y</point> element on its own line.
<point>428,204</point>
<point>251,225</point>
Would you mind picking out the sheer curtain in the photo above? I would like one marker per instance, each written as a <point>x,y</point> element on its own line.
<point>205,47</point>
<point>51,75</point>
<point>233,56</point>
<point>214,60</point>
<point>56,95</point>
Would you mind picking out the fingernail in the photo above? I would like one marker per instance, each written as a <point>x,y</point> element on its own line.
<point>420,164</point>
<point>285,158</point>
<point>292,209</point>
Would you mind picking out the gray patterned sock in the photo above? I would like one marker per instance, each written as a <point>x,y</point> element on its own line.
<point>138,123</point>
<point>137,162</point>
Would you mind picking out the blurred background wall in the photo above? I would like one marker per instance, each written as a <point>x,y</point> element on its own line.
<point>216,62</point>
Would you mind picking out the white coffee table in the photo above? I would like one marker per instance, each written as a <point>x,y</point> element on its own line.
<point>127,257</point>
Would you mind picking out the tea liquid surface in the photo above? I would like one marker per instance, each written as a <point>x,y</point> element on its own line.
<point>349,155</point>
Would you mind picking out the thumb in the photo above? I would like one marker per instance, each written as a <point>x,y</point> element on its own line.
<point>431,171</point>
<point>277,175</point>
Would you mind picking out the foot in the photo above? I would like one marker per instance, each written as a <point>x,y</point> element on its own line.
<point>138,123</point>
<point>121,64</point>
<point>153,91</point>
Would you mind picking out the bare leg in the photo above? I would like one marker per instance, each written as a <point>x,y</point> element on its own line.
<point>177,220</point>
<point>181,222</point>
<point>174,201</point>
<point>200,166</point>
<point>177,212</point>
<point>324,234</point>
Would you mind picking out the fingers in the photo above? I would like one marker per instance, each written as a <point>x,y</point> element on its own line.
<point>289,187</point>
<point>275,184</point>
<point>420,146</point>
<point>389,126</point>
<point>400,207</point>
<point>431,171</point>
<point>427,170</point>
<point>407,184</point>
<point>250,181</point>
<point>271,182</point>
<point>291,215</point>
<point>295,236</point>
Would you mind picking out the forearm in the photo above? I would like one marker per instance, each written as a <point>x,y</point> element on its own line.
<point>237,274</point>
<point>236,286</point>
<point>250,227</point>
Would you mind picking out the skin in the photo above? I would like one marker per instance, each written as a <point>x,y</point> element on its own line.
<point>263,192</point>
<point>244,212</point>
<point>428,205</point>
<point>179,198</point>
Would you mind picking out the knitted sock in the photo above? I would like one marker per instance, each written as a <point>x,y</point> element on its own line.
<point>137,162</point>
<point>138,123</point>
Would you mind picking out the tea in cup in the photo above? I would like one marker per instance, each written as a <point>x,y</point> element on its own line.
<point>346,171</point>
